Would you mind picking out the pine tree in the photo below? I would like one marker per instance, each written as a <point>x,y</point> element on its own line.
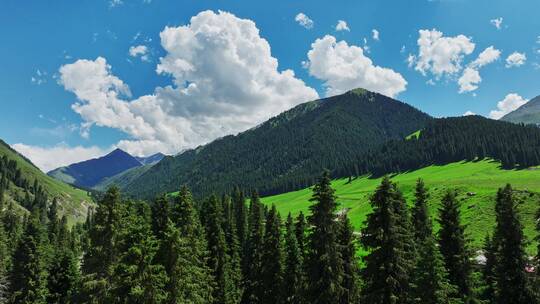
<point>185,255</point>
<point>240,218</point>
<point>102,252</point>
<point>300,231</point>
<point>386,274</point>
<point>453,246</point>
<point>293,279</point>
<point>350,263</point>
<point>510,276</point>
<point>63,277</point>
<point>324,261</point>
<point>53,222</point>
<point>29,273</point>
<point>135,278</point>
<point>253,259</point>
<point>488,272</point>
<point>420,216</point>
<point>272,258</point>
<point>160,216</point>
<point>4,264</point>
<point>431,284</point>
<point>219,261</point>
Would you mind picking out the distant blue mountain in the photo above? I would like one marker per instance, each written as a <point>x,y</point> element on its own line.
<point>89,173</point>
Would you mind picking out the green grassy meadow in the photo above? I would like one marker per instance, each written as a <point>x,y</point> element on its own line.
<point>475,182</point>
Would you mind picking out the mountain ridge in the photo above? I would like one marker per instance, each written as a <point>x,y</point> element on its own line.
<point>529,113</point>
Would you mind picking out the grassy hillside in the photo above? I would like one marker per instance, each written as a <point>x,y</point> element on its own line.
<point>476,183</point>
<point>73,201</point>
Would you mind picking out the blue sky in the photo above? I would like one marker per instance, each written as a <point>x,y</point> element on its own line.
<point>72,89</point>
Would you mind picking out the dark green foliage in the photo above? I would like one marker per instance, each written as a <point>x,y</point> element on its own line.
<point>294,282</point>
<point>347,241</point>
<point>431,284</point>
<point>240,218</point>
<point>488,272</point>
<point>272,259</point>
<point>453,246</point>
<point>63,277</point>
<point>160,216</point>
<point>454,139</point>
<point>184,255</point>
<point>252,265</point>
<point>324,262</point>
<point>385,236</point>
<point>508,241</point>
<point>5,263</point>
<point>102,252</point>
<point>288,151</point>
<point>219,261</point>
<point>29,273</point>
<point>300,232</point>
<point>420,217</point>
<point>135,279</point>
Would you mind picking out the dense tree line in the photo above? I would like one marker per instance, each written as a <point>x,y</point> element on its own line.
<point>454,139</point>
<point>226,250</point>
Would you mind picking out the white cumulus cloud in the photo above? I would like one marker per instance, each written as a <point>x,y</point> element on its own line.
<point>304,20</point>
<point>511,102</point>
<point>441,55</point>
<point>497,22</point>
<point>224,80</point>
<point>49,158</point>
<point>470,79</point>
<point>343,67</point>
<point>342,26</point>
<point>469,113</point>
<point>515,59</point>
<point>139,51</point>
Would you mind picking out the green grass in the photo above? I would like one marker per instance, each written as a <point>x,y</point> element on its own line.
<point>73,201</point>
<point>414,135</point>
<point>481,178</point>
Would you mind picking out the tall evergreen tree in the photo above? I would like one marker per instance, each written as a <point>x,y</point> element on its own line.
<point>29,273</point>
<point>453,246</point>
<point>272,259</point>
<point>510,276</point>
<point>219,262</point>
<point>347,242</point>
<point>102,252</point>
<point>4,264</point>
<point>240,218</point>
<point>64,277</point>
<point>300,231</point>
<point>386,273</point>
<point>135,278</point>
<point>324,261</point>
<point>185,255</point>
<point>420,215</point>
<point>252,263</point>
<point>160,216</point>
<point>53,222</point>
<point>293,279</point>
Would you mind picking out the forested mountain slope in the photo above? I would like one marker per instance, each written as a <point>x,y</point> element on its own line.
<point>288,151</point>
<point>89,173</point>
<point>23,183</point>
<point>453,139</point>
<point>528,113</point>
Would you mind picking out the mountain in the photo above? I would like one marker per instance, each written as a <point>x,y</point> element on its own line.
<point>123,178</point>
<point>89,173</point>
<point>528,113</point>
<point>150,160</point>
<point>288,151</point>
<point>26,185</point>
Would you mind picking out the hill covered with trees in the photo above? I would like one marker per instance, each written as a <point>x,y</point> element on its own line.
<point>22,184</point>
<point>287,151</point>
